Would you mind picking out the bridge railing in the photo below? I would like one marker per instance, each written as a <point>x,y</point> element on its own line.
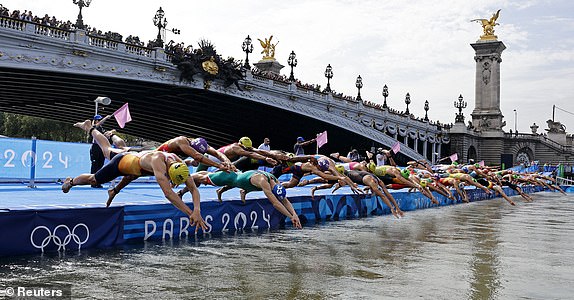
<point>52,32</point>
<point>538,137</point>
<point>102,42</point>
<point>10,23</point>
<point>69,35</point>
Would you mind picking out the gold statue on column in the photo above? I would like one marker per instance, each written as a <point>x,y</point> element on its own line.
<point>268,49</point>
<point>488,27</point>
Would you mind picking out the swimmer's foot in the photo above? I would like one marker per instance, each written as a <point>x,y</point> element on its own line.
<point>86,125</point>
<point>67,184</point>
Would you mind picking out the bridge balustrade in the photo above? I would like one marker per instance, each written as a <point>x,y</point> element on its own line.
<point>51,32</point>
<point>102,42</point>
<point>12,24</point>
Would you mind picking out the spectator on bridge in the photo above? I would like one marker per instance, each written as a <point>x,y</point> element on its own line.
<point>167,168</point>
<point>298,147</point>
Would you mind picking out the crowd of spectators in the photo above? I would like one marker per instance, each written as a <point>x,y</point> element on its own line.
<point>46,20</point>
<point>28,16</point>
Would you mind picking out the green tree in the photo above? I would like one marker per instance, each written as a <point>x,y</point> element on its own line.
<point>20,126</point>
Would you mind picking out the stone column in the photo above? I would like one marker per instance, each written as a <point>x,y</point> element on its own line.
<point>269,65</point>
<point>439,146</point>
<point>425,146</point>
<point>486,115</point>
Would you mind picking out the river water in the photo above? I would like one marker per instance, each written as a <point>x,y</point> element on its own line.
<point>482,250</point>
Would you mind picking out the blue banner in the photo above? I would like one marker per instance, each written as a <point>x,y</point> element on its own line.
<point>164,221</point>
<point>60,230</point>
<point>59,159</point>
<point>47,160</point>
<point>15,158</point>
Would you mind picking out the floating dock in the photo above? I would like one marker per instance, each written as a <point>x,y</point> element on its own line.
<point>43,219</point>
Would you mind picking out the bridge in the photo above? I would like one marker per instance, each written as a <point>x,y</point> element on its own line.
<point>56,74</point>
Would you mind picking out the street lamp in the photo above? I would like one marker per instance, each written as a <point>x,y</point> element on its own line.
<point>515,121</point>
<point>385,95</point>
<point>247,47</point>
<point>329,75</point>
<point>359,85</point>
<point>103,101</point>
<point>81,4</point>
<point>160,22</point>
<point>407,101</point>
<point>426,110</point>
<point>460,105</point>
<point>292,62</point>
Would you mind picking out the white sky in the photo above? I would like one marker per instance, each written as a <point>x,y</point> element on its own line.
<point>421,47</point>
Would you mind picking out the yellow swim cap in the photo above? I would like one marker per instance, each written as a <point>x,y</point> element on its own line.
<point>423,183</point>
<point>246,142</point>
<point>340,168</point>
<point>371,166</point>
<point>178,173</point>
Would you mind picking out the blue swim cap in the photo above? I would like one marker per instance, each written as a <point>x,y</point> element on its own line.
<point>279,191</point>
<point>323,164</point>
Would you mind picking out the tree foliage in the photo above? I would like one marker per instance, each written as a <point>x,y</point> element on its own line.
<point>20,126</point>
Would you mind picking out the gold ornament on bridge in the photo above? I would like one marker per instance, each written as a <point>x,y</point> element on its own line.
<point>210,66</point>
<point>268,49</point>
<point>488,27</point>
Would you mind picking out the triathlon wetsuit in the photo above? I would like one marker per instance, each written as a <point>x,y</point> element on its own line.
<point>125,163</point>
<point>165,148</point>
<point>238,179</point>
<point>358,176</point>
<point>295,169</point>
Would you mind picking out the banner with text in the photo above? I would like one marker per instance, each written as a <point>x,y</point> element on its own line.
<point>38,159</point>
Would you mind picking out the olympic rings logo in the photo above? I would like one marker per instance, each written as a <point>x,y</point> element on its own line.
<point>59,240</point>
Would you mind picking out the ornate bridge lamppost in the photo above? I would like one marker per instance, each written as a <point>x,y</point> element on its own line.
<point>407,101</point>
<point>359,85</point>
<point>247,47</point>
<point>426,110</point>
<point>329,75</point>
<point>81,4</point>
<point>292,62</point>
<point>385,95</point>
<point>460,105</point>
<point>160,22</point>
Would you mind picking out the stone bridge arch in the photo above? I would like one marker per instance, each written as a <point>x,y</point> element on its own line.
<point>523,153</point>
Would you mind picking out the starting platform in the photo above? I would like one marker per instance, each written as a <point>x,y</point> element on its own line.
<point>43,219</point>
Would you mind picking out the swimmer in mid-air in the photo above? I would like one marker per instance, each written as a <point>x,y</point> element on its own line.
<point>167,168</point>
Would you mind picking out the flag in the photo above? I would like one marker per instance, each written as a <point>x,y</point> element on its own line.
<point>481,163</point>
<point>122,115</point>
<point>396,147</point>
<point>321,139</point>
<point>453,157</point>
